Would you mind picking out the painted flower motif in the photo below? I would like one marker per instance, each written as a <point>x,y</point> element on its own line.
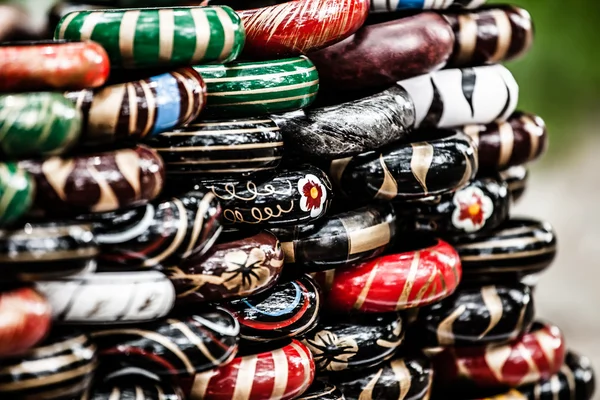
<point>313,195</point>
<point>330,352</point>
<point>246,271</point>
<point>473,208</point>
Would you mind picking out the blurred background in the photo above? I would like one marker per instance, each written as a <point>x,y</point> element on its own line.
<point>560,81</point>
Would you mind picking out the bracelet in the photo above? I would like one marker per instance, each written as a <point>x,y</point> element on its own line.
<point>490,35</point>
<point>109,298</point>
<point>298,27</point>
<point>221,148</point>
<point>394,282</point>
<point>147,38</point>
<point>398,5</point>
<point>160,234</point>
<point>407,171</point>
<point>179,347</point>
<point>520,247</point>
<point>37,124</point>
<point>289,310</point>
<point>322,390</point>
<point>97,182</point>
<point>536,355</point>
<point>17,190</point>
<point>244,266</point>
<point>516,178</point>
<point>339,240</point>
<point>247,89</point>
<point>135,385</point>
<point>354,344</point>
<point>64,364</point>
<point>374,57</point>
<point>141,108</point>
<point>281,372</point>
<point>476,315</point>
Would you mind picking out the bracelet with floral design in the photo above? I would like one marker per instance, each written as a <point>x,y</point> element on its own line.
<point>516,178</point>
<point>400,5</point>
<point>322,390</point>
<point>426,272</point>
<point>288,310</point>
<point>246,264</point>
<point>131,383</point>
<point>273,371</point>
<point>536,355</point>
<point>158,37</point>
<point>356,343</point>
<point>17,191</point>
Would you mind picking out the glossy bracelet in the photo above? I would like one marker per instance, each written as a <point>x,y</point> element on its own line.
<point>288,310</point>
<point>322,390</point>
<point>166,37</point>
<point>132,385</point>
<point>141,108</point>
<point>490,35</point>
<point>536,355</point>
<point>97,182</point>
<point>425,274</point>
<point>516,178</point>
<point>399,5</point>
<point>17,191</point>
<point>407,171</point>
<point>221,148</point>
<point>339,240</point>
<point>246,265</point>
<point>258,88</point>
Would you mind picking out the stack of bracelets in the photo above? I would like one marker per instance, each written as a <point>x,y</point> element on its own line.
<point>300,200</point>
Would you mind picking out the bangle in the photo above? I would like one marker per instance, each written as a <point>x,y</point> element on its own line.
<point>180,347</point>
<point>245,89</point>
<point>536,355</point>
<point>135,383</point>
<point>141,108</point>
<point>64,363</point>
<point>17,335</point>
<point>398,5</point>
<point>109,298</point>
<point>38,124</point>
<point>147,38</point>
<point>490,35</point>
<point>229,270</point>
<point>159,235</point>
<point>285,371</point>
<point>520,247</point>
<point>288,310</point>
<point>456,97</point>
<point>354,344</point>
<point>97,182</point>
<point>476,315</point>
<point>17,189</point>
<point>221,148</point>
<point>407,171</point>
<point>394,282</point>
<point>374,57</point>
<point>322,390</point>
<point>340,240</point>
<point>516,178</point>
<point>301,26</point>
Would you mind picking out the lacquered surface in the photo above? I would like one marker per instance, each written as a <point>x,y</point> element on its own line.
<point>399,5</point>
<point>322,390</point>
<point>517,179</point>
<point>130,387</point>
<point>17,191</point>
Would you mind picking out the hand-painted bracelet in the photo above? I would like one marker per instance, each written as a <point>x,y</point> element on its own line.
<point>520,247</point>
<point>17,190</point>
<point>374,57</point>
<point>322,390</point>
<point>141,108</point>
<point>398,5</point>
<point>166,37</point>
<point>258,88</point>
<point>61,367</point>
<point>26,318</point>
<point>282,373</point>
<point>353,344</point>
<point>476,315</point>
<point>132,385</point>
<point>536,355</point>
<point>172,347</point>
<point>490,35</point>
<point>97,182</point>
<point>288,310</point>
<point>401,378</point>
<point>37,124</point>
<point>516,178</point>
<point>427,273</point>
<point>49,65</point>
<point>159,235</point>
<point>407,171</point>
<point>109,298</point>
<point>341,240</point>
<point>239,268</point>
<point>221,148</point>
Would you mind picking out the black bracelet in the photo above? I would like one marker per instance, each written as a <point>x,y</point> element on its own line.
<point>516,178</point>
<point>322,390</point>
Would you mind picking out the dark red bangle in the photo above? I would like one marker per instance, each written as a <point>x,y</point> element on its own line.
<point>427,273</point>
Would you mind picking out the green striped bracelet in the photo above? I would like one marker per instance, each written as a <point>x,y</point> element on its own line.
<point>258,88</point>
<point>17,189</point>
<point>159,37</point>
